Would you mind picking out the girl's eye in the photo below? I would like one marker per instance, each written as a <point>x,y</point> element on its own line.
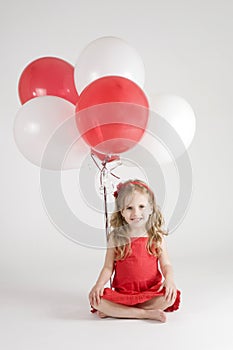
<point>129,208</point>
<point>142,206</point>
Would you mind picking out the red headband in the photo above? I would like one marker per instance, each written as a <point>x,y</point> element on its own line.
<point>121,185</point>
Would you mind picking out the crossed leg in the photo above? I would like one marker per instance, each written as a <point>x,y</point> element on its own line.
<point>156,303</point>
<point>151,309</point>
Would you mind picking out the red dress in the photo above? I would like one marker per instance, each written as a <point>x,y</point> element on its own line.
<point>137,278</point>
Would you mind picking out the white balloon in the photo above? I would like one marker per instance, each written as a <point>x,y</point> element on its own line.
<point>46,134</point>
<point>108,56</point>
<point>178,113</point>
<point>169,132</point>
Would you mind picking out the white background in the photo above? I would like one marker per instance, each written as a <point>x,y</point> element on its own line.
<point>187,50</point>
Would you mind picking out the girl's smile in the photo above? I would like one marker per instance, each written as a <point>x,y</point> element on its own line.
<point>137,210</point>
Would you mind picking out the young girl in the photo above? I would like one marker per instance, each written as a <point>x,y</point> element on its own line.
<point>135,247</point>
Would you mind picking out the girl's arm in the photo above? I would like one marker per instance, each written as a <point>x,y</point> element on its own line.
<point>108,267</point>
<point>104,276</point>
<point>167,271</point>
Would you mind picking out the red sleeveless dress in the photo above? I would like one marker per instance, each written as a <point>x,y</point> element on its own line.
<point>137,278</point>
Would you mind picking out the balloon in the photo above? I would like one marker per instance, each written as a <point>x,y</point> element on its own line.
<point>177,114</point>
<point>48,76</point>
<point>112,114</point>
<point>108,56</point>
<point>105,158</point>
<point>45,129</point>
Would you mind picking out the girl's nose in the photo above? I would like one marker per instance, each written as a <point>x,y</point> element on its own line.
<point>135,211</point>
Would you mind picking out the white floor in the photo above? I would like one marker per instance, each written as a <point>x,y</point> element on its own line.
<point>50,315</point>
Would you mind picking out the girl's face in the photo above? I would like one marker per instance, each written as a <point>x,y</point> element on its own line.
<point>137,210</point>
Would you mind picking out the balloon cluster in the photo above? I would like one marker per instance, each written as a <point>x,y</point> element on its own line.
<point>103,94</point>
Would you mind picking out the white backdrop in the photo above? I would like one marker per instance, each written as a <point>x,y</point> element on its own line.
<point>187,50</point>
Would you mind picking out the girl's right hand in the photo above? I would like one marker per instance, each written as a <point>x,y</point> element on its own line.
<point>95,294</point>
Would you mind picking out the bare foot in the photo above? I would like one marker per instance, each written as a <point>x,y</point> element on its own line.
<point>101,314</point>
<point>158,315</point>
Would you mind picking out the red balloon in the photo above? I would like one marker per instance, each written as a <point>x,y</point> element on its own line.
<point>105,158</point>
<point>112,114</point>
<point>48,76</point>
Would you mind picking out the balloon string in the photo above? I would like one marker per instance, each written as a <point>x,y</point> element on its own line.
<point>103,175</point>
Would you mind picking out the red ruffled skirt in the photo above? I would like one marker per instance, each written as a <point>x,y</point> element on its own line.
<point>137,298</point>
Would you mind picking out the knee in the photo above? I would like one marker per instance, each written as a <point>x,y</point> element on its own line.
<point>96,305</point>
<point>168,303</point>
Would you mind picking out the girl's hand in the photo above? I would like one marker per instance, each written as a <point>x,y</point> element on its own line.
<point>171,291</point>
<point>95,294</point>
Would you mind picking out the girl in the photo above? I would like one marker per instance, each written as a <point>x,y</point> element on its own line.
<point>135,247</point>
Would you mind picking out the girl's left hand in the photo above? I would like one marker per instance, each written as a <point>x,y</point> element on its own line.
<point>171,291</point>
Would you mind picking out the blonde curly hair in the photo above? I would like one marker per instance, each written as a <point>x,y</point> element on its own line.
<point>119,237</point>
